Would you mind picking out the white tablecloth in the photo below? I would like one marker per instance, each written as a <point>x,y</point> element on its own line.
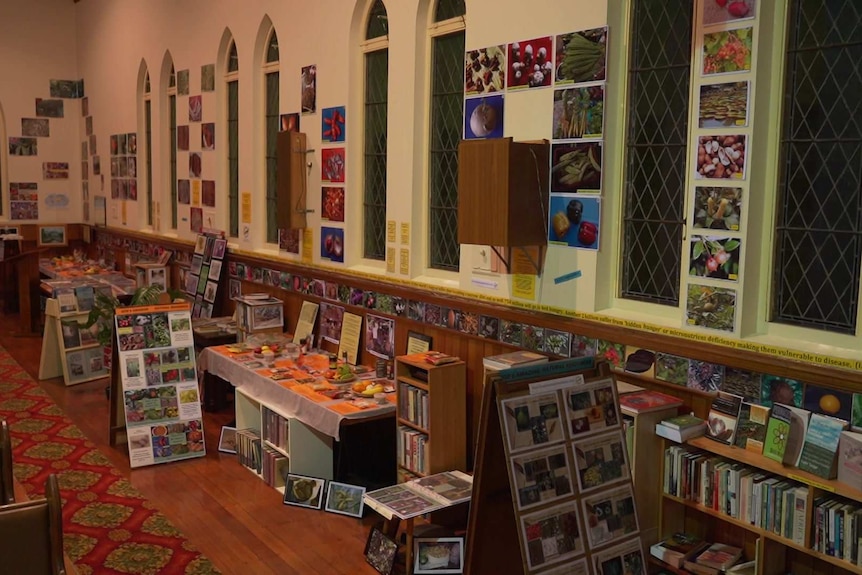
<point>281,399</point>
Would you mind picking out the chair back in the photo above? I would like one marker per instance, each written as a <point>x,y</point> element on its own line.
<point>31,534</point>
<point>7,493</point>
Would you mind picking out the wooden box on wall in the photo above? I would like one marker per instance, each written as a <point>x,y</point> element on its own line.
<point>503,192</point>
<point>291,180</point>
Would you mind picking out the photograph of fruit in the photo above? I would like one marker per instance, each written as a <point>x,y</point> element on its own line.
<point>332,124</point>
<point>827,401</point>
<point>332,204</point>
<point>579,112</point>
<point>332,165</point>
<point>332,244</point>
<point>483,117</point>
<point>717,208</point>
<point>715,257</point>
<point>727,51</point>
<point>581,56</point>
<point>485,70</point>
<point>711,307</point>
<point>718,11</point>
<point>723,105</point>
<point>530,63</point>
<point>774,389</point>
<point>720,157</point>
<point>576,167</point>
<point>575,221</point>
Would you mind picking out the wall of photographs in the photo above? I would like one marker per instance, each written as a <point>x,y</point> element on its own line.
<point>124,166</point>
<point>201,281</point>
<point>569,477</point>
<point>160,384</point>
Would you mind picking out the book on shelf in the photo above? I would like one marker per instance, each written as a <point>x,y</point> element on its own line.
<point>850,459</point>
<point>624,387</point>
<point>683,421</point>
<point>785,433</point>
<point>719,556</point>
<point>439,358</point>
<point>421,495</point>
<point>677,548</point>
<point>751,426</point>
<point>519,358</point>
<point>723,417</point>
<point>680,435</point>
<point>820,448</point>
<point>647,401</point>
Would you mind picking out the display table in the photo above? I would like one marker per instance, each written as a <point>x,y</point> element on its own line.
<point>211,332</point>
<point>354,439</point>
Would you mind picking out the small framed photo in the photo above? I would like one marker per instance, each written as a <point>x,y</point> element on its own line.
<point>418,342</point>
<point>52,235</point>
<point>304,491</point>
<point>345,499</point>
<point>380,551</point>
<point>438,555</point>
<point>227,440</point>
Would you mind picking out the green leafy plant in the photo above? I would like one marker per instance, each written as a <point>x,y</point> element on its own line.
<point>104,306</point>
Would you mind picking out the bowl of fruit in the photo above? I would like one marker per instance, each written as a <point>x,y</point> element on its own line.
<point>343,374</point>
<point>260,351</point>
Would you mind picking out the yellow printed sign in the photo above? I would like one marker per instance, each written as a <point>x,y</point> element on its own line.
<point>811,482</point>
<point>123,211</point>
<point>196,192</point>
<point>246,207</point>
<point>405,262</point>
<point>390,231</point>
<point>524,286</point>
<point>405,233</point>
<point>307,245</point>
<point>390,260</point>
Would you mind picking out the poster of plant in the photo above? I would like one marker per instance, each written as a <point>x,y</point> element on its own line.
<point>581,56</point>
<point>720,11</point>
<point>530,63</point>
<point>531,421</point>
<point>159,382</point>
<point>721,157</point>
<point>610,516</point>
<point>705,376</point>
<point>579,112</point>
<point>600,461</point>
<point>711,307</point>
<point>552,535</point>
<point>727,51</point>
<point>485,70</point>
<point>542,477</point>
<point>576,167</point>
<point>717,208</point>
<point>715,257</point>
<point>671,368</point>
<point>723,105</point>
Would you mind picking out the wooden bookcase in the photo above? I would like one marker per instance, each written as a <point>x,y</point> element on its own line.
<point>444,425</point>
<point>775,554</point>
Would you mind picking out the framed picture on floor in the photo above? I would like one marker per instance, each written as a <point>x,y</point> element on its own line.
<point>227,440</point>
<point>304,491</point>
<point>438,555</point>
<point>345,499</point>
<point>380,551</point>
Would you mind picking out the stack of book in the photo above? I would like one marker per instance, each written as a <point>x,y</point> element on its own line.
<point>694,555</point>
<point>514,359</point>
<point>647,401</point>
<point>681,428</point>
<point>837,528</point>
<point>676,549</point>
<point>716,559</point>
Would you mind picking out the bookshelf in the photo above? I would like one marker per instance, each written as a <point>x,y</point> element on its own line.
<point>82,359</point>
<point>775,553</point>
<point>431,415</point>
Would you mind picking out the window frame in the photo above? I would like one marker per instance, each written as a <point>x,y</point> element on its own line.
<point>148,147</point>
<point>173,155</point>
<point>269,68</point>
<point>231,77</point>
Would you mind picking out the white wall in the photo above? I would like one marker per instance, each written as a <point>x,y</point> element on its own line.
<point>37,44</point>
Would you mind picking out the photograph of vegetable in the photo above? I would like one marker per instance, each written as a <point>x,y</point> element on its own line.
<point>575,221</point>
<point>576,167</point>
<point>485,70</point>
<point>483,117</point>
<point>332,127</point>
<point>332,204</point>
<point>332,165</point>
<point>723,105</point>
<point>531,63</point>
<point>718,11</point>
<point>727,51</point>
<point>717,208</point>
<point>715,257</point>
<point>720,157</point>
<point>711,307</point>
<point>579,112</point>
<point>581,56</point>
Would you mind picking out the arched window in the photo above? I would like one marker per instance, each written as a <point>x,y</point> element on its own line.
<point>172,139</point>
<point>376,50</point>
<point>271,123</point>
<point>231,79</point>
<point>148,145</point>
<point>447,120</point>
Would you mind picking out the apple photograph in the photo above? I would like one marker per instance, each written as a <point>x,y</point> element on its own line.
<point>575,221</point>
<point>483,117</point>
<point>332,244</point>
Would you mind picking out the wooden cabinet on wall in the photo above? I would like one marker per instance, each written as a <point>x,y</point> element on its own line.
<point>432,417</point>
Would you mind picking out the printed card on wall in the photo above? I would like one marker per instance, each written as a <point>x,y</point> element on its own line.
<point>485,70</point>
<point>581,56</point>
<point>332,165</point>
<point>332,244</point>
<point>579,112</point>
<point>575,220</point>
<point>483,117</point>
<point>523,58</point>
<point>333,124</point>
<point>309,89</point>
<point>711,307</point>
<point>159,380</point>
<point>380,336</point>
<point>717,208</point>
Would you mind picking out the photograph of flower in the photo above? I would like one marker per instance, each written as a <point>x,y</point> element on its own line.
<point>715,257</point>
<point>705,376</point>
<point>332,203</point>
<point>581,56</point>
<point>711,307</point>
<point>717,208</point>
<point>591,408</point>
<point>332,165</point>
<point>610,516</point>
<point>523,58</point>
<point>552,535</point>
<point>333,124</point>
<point>332,244</point>
<point>345,499</point>
<point>558,342</point>
<point>483,117</point>
<point>485,70</point>
<point>579,112</point>
<point>723,105</point>
<point>600,460</point>
<point>727,51</point>
<point>304,491</point>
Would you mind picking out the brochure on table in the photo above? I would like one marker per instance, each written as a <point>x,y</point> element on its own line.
<point>160,385</point>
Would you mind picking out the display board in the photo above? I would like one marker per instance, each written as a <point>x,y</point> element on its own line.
<point>202,280</point>
<point>552,483</point>
<point>69,348</point>
<point>159,384</point>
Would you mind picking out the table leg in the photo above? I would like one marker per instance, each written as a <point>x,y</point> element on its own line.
<point>408,553</point>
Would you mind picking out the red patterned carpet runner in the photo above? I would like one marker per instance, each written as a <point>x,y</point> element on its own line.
<point>108,526</point>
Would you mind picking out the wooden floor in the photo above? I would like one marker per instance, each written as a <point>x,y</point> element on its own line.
<point>232,517</point>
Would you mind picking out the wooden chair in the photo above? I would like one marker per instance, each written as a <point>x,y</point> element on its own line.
<point>7,487</point>
<point>31,534</point>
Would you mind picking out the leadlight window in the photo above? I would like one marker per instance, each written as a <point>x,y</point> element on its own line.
<point>376,133</point>
<point>232,80</point>
<point>271,122</point>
